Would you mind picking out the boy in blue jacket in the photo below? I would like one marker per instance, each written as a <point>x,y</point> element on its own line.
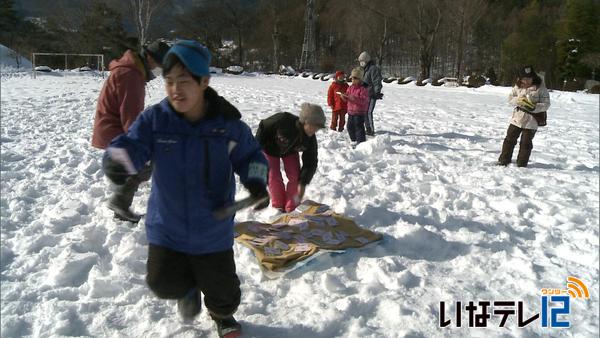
<point>196,141</point>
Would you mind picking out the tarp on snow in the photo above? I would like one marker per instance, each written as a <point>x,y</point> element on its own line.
<point>297,236</point>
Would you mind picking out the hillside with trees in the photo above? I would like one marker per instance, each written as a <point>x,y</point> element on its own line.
<point>419,38</point>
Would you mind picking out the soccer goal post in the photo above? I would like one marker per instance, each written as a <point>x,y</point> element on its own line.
<point>99,59</point>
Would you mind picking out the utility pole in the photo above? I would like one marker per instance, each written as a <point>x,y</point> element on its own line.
<point>309,46</point>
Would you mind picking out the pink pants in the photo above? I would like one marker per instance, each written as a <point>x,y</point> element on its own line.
<point>282,198</point>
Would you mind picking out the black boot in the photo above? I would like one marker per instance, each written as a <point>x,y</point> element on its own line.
<point>122,211</point>
<point>121,200</point>
<point>190,305</point>
<point>228,327</point>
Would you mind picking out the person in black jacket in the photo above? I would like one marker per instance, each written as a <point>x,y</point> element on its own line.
<point>282,137</point>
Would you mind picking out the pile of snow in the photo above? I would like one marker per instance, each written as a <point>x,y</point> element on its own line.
<point>43,69</point>
<point>449,81</point>
<point>455,226</point>
<point>234,70</point>
<point>286,70</point>
<point>13,61</point>
<point>82,69</point>
<point>407,79</point>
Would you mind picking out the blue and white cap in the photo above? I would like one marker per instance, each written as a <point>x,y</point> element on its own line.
<point>194,56</point>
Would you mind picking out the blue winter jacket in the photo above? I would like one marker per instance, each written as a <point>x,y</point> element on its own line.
<point>193,172</point>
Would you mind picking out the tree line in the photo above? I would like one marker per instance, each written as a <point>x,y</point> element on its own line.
<point>419,38</point>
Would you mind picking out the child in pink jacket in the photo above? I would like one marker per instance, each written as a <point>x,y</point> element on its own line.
<point>357,97</point>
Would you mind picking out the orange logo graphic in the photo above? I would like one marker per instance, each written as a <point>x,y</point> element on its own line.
<point>576,288</point>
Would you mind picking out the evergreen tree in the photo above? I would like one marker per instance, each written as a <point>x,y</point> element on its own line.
<point>492,77</point>
<point>22,36</point>
<point>8,22</point>
<point>532,42</point>
<point>489,33</point>
<point>578,39</point>
<point>102,32</point>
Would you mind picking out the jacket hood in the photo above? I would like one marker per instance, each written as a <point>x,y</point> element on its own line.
<point>217,105</point>
<point>368,65</point>
<point>131,60</point>
<point>364,57</point>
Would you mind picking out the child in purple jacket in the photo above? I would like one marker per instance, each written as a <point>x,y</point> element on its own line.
<point>357,97</point>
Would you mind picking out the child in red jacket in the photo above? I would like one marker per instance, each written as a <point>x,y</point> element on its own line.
<point>334,100</point>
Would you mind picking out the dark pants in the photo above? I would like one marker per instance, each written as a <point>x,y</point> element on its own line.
<point>123,194</point>
<point>512,134</point>
<point>356,128</point>
<point>171,274</point>
<point>370,127</point>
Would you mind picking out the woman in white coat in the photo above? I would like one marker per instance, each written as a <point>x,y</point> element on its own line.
<point>530,100</point>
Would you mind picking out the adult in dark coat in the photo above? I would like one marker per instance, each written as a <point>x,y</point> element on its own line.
<point>371,80</point>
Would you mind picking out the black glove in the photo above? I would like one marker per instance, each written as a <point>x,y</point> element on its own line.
<point>114,170</point>
<point>379,96</point>
<point>258,190</point>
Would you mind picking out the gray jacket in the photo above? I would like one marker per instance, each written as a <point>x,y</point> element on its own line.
<point>372,79</point>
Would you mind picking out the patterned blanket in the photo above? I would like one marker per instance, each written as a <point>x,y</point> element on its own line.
<point>294,237</point>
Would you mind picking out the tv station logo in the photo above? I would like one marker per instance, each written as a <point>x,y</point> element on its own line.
<point>555,306</point>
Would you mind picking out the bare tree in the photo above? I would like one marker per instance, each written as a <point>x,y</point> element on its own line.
<point>387,12</point>
<point>467,13</point>
<point>271,14</point>
<point>423,18</point>
<point>339,37</point>
<point>275,37</point>
<point>426,26</point>
<point>285,29</point>
<point>141,12</point>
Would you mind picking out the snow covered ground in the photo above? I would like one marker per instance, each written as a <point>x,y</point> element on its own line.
<point>455,227</point>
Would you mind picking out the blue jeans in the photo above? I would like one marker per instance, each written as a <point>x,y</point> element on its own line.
<point>356,128</point>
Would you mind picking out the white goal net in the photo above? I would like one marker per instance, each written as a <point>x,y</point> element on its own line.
<point>65,63</point>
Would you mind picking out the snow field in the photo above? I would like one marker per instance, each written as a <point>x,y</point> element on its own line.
<point>456,227</point>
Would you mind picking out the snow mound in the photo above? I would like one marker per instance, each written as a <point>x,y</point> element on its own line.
<point>11,61</point>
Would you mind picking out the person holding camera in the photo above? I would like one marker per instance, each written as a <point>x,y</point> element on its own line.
<point>530,101</point>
